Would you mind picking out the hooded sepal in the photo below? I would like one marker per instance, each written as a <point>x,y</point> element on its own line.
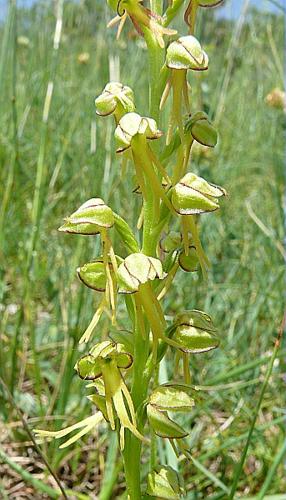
<point>137,269</point>
<point>115,99</point>
<point>132,125</point>
<point>93,274</point>
<point>186,53</point>
<point>201,129</point>
<point>195,332</point>
<point>91,218</point>
<point>194,195</point>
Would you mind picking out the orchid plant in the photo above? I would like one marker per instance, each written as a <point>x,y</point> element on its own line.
<point>122,371</point>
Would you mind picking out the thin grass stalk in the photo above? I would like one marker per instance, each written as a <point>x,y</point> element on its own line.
<point>37,206</point>
<point>239,468</point>
<point>31,436</point>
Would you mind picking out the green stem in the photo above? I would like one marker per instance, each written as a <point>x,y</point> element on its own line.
<point>156,61</point>
<point>172,11</point>
<point>133,446</point>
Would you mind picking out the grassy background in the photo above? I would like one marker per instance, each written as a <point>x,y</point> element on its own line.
<point>44,310</point>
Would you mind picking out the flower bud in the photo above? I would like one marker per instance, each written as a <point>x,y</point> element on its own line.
<point>115,95</point>
<point>89,219</point>
<point>190,262</point>
<point>132,124</point>
<point>137,269</point>
<point>173,397</point>
<point>194,195</point>
<point>201,129</point>
<point>186,53</point>
<point>165,482</point>
<point>195,332</point>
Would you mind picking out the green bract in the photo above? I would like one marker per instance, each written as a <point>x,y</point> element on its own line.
<point>194,195</point>
<point>162,425</point>
<point>137,269</point>
<point>195,332</point>
<point>90,218</point>
<point>133,124</point>
<point>164,482</point>
<point>115,97</point>
<point>201,129</point>
<point>186,53</point>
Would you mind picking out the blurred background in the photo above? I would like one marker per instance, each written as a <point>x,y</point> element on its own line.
<point>54,155</point>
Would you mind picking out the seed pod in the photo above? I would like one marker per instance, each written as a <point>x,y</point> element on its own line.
<point>189,263</point>
<point>137,269</point>
<point>195,332</point>
<point>91,218</point>
<point>171,397</point>
<point>201,129</point>
<point>132,124</point>
<point>163,426</point>
<point>194,195</point>
<point>186,53</point>
<point>165,482</point>
<point>115,97</point>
